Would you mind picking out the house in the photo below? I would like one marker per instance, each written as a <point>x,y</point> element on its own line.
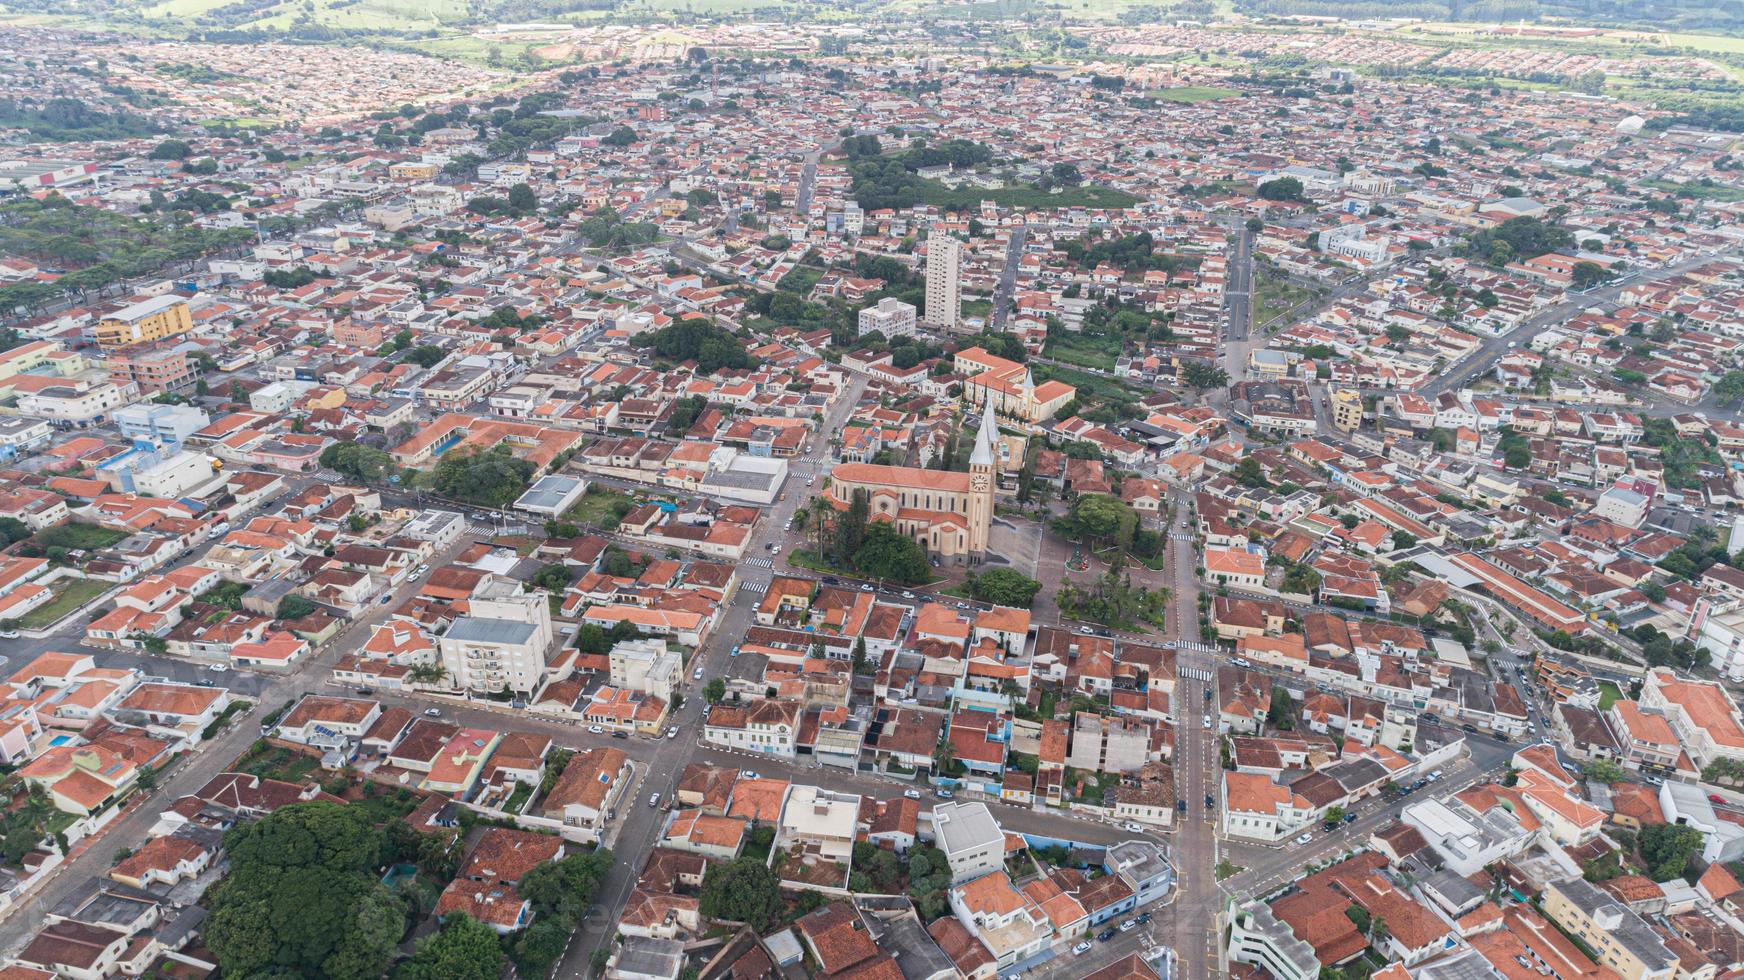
<point>591,786</point>
<point>768,727</point>
<point>485,886</point>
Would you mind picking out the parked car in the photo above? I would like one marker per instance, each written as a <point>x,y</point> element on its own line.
<point>1107,934</point>
<point>1305,839</point>
<point>1128,925</point>
<point>913,794</point>
<point>432,713</point>
<point>945,794</point>
<point>1131,827</point>
<point>696,674</point>
<point>1180,806</point>
<point>1144,917</point>
<point>831,580</point>
<point>1716,798</point>
<point>908,595</point>
<point>387,598</point>
<point>620,734</point>
<point>747,774</point>
<point>654,800</point>
<point>1210,801</point>
<point>595,730</point>
<point>867,587</point>
<point>775,550</point>
<point>218,668</point>
<point>1081,948</point>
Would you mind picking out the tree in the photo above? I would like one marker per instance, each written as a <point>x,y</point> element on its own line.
<point>888,554</point>
<point>1605,771</point>
<point>465,949</point>
<point>1201,375</point>
<point>494,477</point>
<point>1335,814</point>
<point>742,891</point>
<point>1282,713</point>
<point>714,690</point>
<point>1099,520</point>
<point>1730,387</point>
<point>522,200</point>
<point>540,946</point>
<point>553,577</point>
<point>621,136</point>
<point>1004,587</point>
<point>1585,275</point>
<point>1282,189</point>
<point>562,889</point>
<point>1668,849</point>
<point>170,150</point>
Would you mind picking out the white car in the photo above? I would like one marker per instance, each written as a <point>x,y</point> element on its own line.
<point>913,794</point>
<point>432,713</point>
<point>654,800</point>
<point>775,550</point>
<point>908,595</point>
<point>8,634</point>
<point>672,733</point>
<point>1132,828</point>
<point>1086,631</point>
<point>595,730</point>
<point>1305,839</point>
<point>696,674</point>
<point>218,668</point>
<point>867,587</point>
<point>1081,948</point>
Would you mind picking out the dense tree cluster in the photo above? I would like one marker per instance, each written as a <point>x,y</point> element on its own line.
<point>710,346</point>
<point>494,477</point>
<point>1517,238</point>
<point>1003,587</point>
<point>66,119</point>
<point>302,897</point>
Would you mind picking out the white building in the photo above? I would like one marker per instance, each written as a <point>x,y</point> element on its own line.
<point>891,317</point>
<point>1467,840</point>
<point>502,644</point>
<point>645,665</point>
<point>767,727</point>
<point>944,284</point>
<point>165,426</point>
<point>971,839</point>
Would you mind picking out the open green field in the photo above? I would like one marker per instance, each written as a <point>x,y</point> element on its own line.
<point>968,198</point>
<point>1722,193</point>
<point>1074,348</point>
<point>70,594</point>
<point>1192,93</point>
<point>403,15</point>
<point>1608,695</point>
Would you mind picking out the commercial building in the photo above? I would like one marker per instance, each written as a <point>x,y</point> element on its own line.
<point>148,319</point>
<point>645,665</point>
<point>164,426</point>
<point>944,285</point>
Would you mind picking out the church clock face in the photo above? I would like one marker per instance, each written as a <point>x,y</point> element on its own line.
<point>978,482</point>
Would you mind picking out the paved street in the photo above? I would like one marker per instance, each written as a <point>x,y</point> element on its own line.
<point>1005,292</point>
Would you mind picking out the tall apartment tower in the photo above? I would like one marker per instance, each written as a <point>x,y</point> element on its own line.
<point>944,286</point>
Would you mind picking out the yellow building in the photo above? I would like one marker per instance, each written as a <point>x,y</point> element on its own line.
<point>1624,942</point>
<point>1008,387</point>
<point>1347,410</point>
<point>146,320</point>
<point>408,170</point>
<point>947,513</point>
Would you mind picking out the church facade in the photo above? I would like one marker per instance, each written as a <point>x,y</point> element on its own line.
<point>948,513</point>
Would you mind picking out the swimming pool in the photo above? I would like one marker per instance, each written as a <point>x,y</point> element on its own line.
<point>60,740</point>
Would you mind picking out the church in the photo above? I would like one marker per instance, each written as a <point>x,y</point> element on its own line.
<point>948,513</point>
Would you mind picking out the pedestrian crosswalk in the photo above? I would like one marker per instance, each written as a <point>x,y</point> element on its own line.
<point>1194,646</point>
<point>1193,673</point>
<point>491,530</point>
<point>759,563</point>
<point>754,588</point>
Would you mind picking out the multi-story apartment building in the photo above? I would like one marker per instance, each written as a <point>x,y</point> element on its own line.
<point>148,319</point>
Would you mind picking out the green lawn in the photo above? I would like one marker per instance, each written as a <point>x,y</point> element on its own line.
<point>1192,93</point>
<point>1608,695</point>
<point>969,198</point>
<point>70,594</point>
<point>594,507</point>
<point>801,279</point>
